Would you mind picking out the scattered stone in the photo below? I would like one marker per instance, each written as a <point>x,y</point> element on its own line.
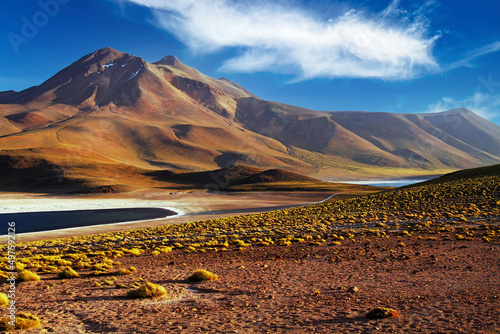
<point>382,313</point>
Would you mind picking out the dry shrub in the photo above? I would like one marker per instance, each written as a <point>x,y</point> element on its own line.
<point>147,290</point>
<point>133,251</point>
<point>23,321</point>
<point>202,275</point>
<point>125,271</point>
<point>4,300</point>
<point>382,313</point>
<point>27,276</point>
<point>68,273</point>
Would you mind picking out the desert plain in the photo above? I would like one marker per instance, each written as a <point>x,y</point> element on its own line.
<point>427,251</point>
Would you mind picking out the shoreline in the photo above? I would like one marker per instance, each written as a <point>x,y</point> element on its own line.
<point>167,211</point>
<point>190,207</point>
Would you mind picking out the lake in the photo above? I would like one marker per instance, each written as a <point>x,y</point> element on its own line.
<point>387,183</point>
<point>54,220</point>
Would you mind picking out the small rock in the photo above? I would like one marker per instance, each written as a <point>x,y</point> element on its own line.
<point>353,289</point>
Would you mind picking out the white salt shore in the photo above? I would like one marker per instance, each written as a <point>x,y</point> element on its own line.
<point>56,204</point>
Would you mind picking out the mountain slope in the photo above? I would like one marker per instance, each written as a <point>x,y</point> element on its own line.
<point>146,115</point>
<point>456,138</point>
<point>167,115</point>
<point>468,127</point>
<point>466,174</point>
<point>406,136</point>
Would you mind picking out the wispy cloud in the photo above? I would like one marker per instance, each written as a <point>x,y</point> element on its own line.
<point>284,38</point>
<point>467,61</point>
<point>485,105</point>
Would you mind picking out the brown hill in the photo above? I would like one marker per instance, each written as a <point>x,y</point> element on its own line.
<point>247,178</point>
<point>19,173</point>
<point>276,175</point>
<point>473,173</point>
<point>230,176</point>
<point>115,112</point>
<point>215,179</point>
<point>44,170</point>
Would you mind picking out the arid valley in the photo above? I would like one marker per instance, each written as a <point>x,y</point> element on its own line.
<point>234,166</point>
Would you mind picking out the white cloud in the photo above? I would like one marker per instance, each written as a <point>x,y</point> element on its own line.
<point>283,38</point>
<point>485,105</point>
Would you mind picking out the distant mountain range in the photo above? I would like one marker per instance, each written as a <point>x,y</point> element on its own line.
<point>111,117</point>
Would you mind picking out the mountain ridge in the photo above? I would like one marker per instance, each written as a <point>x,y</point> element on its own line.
<point>167,115</point>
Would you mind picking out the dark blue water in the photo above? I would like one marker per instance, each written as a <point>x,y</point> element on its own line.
<point>53,220</point>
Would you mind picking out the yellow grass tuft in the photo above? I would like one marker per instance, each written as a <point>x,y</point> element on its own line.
<point>165,250</point>
<point>133,251</point>
<point>202,275</point>
<point>4,300</point>
<point>68,273</point>
<point>147,290</point>
<point>125,271</point>
<point>23,320</point>
<point>27,276</point>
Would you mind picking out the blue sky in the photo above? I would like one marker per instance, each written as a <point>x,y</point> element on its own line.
<point>396,56</point>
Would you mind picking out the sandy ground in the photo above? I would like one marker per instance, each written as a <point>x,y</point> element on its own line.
<point>437,286</point>
<point>191,206</point>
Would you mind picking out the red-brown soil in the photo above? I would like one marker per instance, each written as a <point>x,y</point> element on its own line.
<point>437,286</point>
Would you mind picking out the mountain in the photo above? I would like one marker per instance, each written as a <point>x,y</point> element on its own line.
<point>456,138</point>
<point>110,118</point>
<point>225,178</point>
